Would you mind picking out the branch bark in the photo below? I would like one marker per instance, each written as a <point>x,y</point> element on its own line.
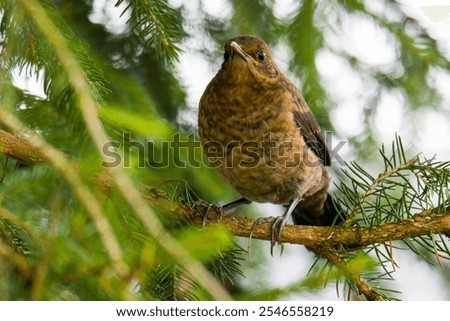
<point>325,241</point>
<point>19,149</point>
<point>326,237</point>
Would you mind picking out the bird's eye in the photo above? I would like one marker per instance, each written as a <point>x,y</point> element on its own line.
<point>261,55</point>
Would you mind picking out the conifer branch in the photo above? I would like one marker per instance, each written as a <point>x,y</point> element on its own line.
<point>18,262</point>
<point>19,149</point>
<point>364,287</point>
<point>420,224</point>
<point>156,23</point>
<point>374,185</point>
<point>327,241</point>
<point>326,237</point>
<point>62,164</point>
<point>89,109</point>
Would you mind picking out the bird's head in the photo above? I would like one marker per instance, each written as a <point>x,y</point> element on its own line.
<point>248,59</point>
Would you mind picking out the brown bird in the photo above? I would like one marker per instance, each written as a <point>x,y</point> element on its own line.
<point>261,136</point>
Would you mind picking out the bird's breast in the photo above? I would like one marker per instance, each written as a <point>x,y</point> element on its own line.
<point>254,144</point>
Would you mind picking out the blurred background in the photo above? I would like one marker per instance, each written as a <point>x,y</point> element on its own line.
<point>368,70</point>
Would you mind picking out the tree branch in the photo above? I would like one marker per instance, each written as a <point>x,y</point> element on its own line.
<point>365,288</point>
<point>374,185</point>
<point>19,149</point>
<point>420,224</point>
<point>311,236</point>
<point>326,237</point>
<point>325,241</point>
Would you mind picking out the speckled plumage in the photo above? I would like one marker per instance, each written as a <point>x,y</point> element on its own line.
<point>261,136</point>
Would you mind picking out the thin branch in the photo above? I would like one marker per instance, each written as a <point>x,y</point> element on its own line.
<point>325,241</point>
<point>19,263</point>
<point>374,185</point>
<point>357,237</point>
<point>365,288</point>
<point>19,149</point>
<point>61,163</point>
<point>89,109</point>
<point>317,237</point>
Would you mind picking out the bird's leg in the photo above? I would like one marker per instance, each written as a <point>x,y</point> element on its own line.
<point>256,223</point>
<point>224,208</point>
<point>234,204</point>
<point>277,224</point>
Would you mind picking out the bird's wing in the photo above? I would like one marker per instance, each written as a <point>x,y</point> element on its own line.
<point>312,134</point>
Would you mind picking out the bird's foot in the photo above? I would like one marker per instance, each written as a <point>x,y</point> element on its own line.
<point>221,209</point>
<point>214,207</point>
<point>276,229</point>
<point>255,224</point>
<point>208,209</point>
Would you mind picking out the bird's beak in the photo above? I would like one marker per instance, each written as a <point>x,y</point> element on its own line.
<point>236,49</point>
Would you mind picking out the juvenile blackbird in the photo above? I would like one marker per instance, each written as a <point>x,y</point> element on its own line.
<point>261,136</point>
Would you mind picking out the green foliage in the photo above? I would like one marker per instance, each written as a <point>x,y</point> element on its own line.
<point>136,123</point>
<point>403,189</point>
<point>51,248</point>
<point>157,24</point>
<point>217,238</point>
<point>170,283</point>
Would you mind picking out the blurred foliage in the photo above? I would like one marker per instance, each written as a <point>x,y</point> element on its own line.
<point>133,74</point>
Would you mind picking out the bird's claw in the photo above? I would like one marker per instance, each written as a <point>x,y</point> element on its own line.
<point>220,209</point>
<point>255,224</point>
<point>276,229</point>
<point>209,207</point>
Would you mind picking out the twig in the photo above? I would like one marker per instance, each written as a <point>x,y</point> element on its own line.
<point>19,149</point>
<point>18,262</point>
<point>361,283</point>
<point>374,185</point>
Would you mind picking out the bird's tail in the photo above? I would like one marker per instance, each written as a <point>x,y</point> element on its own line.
<point>332,215</point>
